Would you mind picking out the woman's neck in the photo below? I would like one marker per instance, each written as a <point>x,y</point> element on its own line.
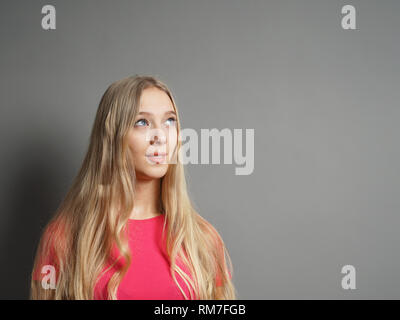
<point>146,199</point>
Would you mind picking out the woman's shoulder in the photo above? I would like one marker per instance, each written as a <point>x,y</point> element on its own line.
<point>50,243</point>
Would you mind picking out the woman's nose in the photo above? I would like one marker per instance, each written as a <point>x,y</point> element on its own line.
<point>153,140</point>
<point>156,139</point>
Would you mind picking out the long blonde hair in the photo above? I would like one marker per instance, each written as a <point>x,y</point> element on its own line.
<point>87,223</point>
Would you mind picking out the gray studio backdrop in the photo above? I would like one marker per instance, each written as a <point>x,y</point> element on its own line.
<point>323,101</point>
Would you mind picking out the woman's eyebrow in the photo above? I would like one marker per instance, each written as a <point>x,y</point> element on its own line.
<point>149,113</point>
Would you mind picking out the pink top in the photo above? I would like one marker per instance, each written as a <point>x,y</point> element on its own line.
<point>148,277</point>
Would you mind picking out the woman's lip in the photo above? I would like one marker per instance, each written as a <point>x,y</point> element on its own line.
<point>157,159</point>
<point>156,154</point>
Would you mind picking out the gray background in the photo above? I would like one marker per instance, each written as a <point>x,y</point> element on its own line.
<point>324,103</point>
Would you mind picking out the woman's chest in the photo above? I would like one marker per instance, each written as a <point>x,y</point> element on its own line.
<point>149,276</point>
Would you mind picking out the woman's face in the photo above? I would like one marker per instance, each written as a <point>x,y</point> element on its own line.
<point>153,136</point>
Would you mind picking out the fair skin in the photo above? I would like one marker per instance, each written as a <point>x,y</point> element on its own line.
<point>153,132</point>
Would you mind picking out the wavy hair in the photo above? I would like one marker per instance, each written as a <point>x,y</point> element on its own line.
<point>93,215</point>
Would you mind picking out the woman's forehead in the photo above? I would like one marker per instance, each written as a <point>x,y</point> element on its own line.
<point>155,100</point>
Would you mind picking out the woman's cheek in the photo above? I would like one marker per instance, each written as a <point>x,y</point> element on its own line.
<point>138,147</point>
<point>172,146</point>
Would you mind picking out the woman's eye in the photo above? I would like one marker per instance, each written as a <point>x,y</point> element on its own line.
<point>140,121</point>
<point>143,122</point>
<point>172,120</point>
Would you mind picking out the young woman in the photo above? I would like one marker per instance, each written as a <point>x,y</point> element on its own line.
<point>127,228</point>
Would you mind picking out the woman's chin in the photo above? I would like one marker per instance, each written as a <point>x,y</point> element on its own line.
<point>153,172</point>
